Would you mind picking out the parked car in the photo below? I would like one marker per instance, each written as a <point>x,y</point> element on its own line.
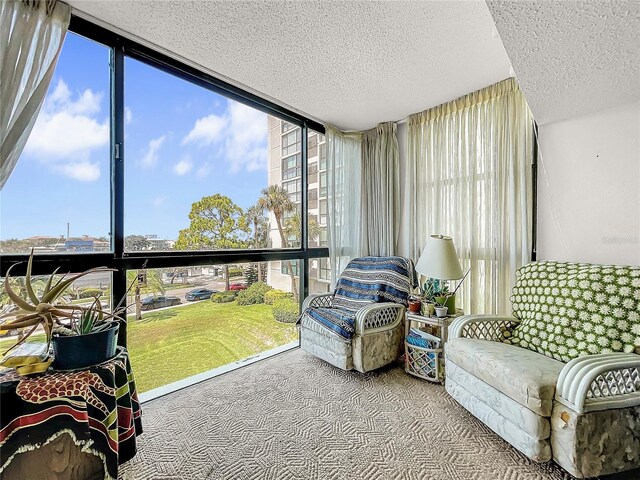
<point>199,294</point>
<point>150,303</point>
<point>237,286</point>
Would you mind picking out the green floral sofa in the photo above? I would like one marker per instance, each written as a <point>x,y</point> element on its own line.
<point>561,378</point>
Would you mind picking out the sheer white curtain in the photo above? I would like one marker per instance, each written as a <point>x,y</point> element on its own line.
<point>31,36</point>
<point>344,174</point>
<point>469,177</point>
<point>381,190</point>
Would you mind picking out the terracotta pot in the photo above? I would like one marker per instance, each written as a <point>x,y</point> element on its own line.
<point>415,306</point>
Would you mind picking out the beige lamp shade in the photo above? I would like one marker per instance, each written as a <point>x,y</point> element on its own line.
<point>439,259</point>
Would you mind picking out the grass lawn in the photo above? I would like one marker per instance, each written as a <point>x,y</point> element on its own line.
<point>175,343</point>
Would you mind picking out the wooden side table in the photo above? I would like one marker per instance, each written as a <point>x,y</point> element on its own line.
<point>424,342</point>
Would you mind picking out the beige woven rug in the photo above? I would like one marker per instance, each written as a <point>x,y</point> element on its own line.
<point>295,417</point>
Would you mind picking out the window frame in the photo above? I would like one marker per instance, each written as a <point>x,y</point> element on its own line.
<point>119,48</point>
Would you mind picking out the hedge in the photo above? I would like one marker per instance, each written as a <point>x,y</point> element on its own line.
<point>254,294</point>
<point>273,295</point>
<point>90,293</point>
<point>285,310</point>
<point>224,297</point>
<point>235,272</point>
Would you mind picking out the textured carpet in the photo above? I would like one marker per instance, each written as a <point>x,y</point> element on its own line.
<point>295,417</point>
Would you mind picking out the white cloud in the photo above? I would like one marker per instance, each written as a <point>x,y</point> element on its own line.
<point>68,128</point>
<point>151,157</point>
<point>128,115</point>
<point>206,131</point>
<point>61,93</point>
<point>183,167</point>
<point>81,171</point>
<point>241,133</point>
<point>247,143</point>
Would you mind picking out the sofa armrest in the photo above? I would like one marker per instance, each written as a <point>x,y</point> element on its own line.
<point>600,382</point>
<point>484,327</point>
<point>318,300</point>
<point>378,317</point>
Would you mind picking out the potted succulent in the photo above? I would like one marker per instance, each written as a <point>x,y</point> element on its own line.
<point>89,339</point>
<point>437,291</point>
<point>94,329</point>
<point>441,308</point>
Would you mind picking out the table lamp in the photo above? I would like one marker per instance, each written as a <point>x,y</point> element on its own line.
<point>439,260</point>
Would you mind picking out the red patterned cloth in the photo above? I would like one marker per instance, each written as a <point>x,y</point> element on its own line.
<point>99,405</point>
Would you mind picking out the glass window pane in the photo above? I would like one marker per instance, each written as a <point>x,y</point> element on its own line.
<point>65,162</point>
<point>82,292</point>
<point>319,275</point>
<point>185,320</point>
<point>317,203</point>
<point>198,164</point>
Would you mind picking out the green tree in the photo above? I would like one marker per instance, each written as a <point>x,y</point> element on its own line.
<point>260,223</point>
<point>277,200</point>
<point>154,286</point>
<point>216,223</point>
<point>293,228</point>
<point>135,243</point>
<point>177,272</point>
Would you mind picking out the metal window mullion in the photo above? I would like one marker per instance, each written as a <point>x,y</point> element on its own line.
<point>119,277</point>
<point>304,214</point>
<point>534,194</point>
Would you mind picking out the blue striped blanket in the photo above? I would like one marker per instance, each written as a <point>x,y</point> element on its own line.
<point>366,280</point>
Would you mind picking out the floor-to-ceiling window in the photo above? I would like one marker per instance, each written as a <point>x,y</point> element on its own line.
<point>185,184</point>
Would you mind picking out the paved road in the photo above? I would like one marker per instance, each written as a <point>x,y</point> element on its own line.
<point>198,282</point>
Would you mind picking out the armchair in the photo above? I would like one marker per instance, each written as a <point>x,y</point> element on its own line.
<point>360,325</point>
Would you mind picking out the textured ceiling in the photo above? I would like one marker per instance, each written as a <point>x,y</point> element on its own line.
<point>572,58</point>
<point>353,64</point>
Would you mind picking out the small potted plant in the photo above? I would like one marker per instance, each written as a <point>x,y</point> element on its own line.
<point>437,292</point>
<point>441,307</point>
<point>415,304</point>
<point>48,310</point>
<point>89,339</point>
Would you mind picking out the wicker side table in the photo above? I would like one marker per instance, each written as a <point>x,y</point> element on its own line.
<point>424,353</point>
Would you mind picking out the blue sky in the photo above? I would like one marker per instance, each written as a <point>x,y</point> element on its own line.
<point>181,143</point>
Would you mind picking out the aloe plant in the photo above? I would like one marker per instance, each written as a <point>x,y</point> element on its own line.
<point>43,310</point>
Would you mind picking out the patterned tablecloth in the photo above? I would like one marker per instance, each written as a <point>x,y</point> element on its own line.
<point>98,406</point>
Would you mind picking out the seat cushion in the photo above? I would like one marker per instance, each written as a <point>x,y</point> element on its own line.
<point>338,320</point>
<point>525,376</point>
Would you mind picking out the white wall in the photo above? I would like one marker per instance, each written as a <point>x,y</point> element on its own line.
<point>589,188</point>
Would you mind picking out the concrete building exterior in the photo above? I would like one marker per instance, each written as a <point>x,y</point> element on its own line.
<point>285,169</point>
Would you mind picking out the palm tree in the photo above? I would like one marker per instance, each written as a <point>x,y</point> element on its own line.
<point>154,285</point>
<point>255,216</point>
<point>293,227</point>
<point>276,200</point>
